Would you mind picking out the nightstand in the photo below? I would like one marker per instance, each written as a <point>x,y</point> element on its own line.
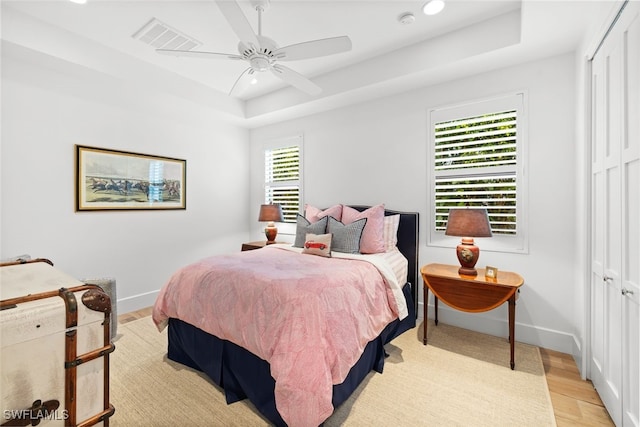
<point>472,294</point>
<point>254,245</point>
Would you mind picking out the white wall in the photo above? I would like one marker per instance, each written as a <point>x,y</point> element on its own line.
<point>47,107</point>
<point>364,154</point>
<point>376,152</point>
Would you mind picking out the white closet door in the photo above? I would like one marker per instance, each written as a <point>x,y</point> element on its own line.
<point>606,327</point>
<point>615,267</point>
<point>630,278</point>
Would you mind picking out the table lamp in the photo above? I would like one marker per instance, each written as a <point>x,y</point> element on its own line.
<point>270,213</point>
<point>468,223</point>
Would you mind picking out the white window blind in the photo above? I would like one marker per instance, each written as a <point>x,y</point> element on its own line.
<point>282,167</point>
<point>476,161</point>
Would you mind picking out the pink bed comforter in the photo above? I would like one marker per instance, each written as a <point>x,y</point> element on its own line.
<point>310,317</point>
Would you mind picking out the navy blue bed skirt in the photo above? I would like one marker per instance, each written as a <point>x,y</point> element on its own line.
<point>243,375</point>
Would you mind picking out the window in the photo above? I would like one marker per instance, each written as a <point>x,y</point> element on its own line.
<point>476,159</point>
<point>283,176</point>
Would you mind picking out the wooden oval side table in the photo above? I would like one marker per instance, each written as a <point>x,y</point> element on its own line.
<point>473,294</point>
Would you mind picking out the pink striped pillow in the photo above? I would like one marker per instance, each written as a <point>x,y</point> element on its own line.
<point>390,233</point>
<point>373,235</point>
<point>313,214</point>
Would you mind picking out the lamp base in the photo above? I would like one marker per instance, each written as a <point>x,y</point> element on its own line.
<point>468,254</point>
<point>465,271</point>
<point>271,233</point>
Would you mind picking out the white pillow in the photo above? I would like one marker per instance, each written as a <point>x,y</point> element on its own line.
<point>317,244</point>
<point>390,232</point>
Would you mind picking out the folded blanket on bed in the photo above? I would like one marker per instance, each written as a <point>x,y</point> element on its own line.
<point>310,317</point>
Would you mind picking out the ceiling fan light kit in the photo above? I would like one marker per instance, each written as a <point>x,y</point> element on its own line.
<point>433,7</point>
<point>263,53</point>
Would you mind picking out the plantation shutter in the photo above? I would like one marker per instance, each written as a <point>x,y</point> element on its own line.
<point>475,164</point>
<point>282,179</point>
<point>476,157</point>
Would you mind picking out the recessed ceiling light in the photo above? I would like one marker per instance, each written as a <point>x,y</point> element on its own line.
<point>78,1</point>
<point>433,7</point>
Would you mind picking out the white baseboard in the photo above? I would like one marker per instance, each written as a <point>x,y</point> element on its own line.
<point>578,357</point>
<point>529,334</point>
<point>137,302</point>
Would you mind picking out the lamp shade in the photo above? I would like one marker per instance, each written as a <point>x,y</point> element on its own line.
<point>468,223</point>
<point>271,213</point>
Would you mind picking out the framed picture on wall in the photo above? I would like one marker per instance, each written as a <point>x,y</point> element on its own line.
<point>120,180</point>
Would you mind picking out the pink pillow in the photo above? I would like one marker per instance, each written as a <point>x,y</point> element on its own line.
<point>373,235</point>
<point>313,214</point>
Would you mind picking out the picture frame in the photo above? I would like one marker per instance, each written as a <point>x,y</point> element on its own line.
<point>108,179</point>
<point>491,272</point>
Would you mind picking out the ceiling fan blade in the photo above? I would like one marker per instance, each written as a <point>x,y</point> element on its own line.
<point>295,79</point>
<point>242,83</point>
<point>239,23</point>
<point>314,49</point>
<point>198,54</point>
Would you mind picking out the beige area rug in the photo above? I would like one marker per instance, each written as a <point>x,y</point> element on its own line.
<point>461,378</point>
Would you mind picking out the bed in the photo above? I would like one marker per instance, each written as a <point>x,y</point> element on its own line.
<point>245,347</point>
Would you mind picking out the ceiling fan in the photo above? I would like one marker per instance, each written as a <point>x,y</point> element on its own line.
<point>263,54</point>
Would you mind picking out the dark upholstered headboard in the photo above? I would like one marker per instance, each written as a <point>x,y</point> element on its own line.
<point>407,244</point>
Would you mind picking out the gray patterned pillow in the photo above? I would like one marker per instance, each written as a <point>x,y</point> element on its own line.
<point>346,238</point>
<point>303,226</point>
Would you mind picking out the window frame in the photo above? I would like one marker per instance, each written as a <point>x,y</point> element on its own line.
<point>296,140</point>
<point>517,243</point>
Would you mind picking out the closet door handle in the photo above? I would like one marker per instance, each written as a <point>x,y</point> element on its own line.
<point>607,279</point>
<point>626,292</point>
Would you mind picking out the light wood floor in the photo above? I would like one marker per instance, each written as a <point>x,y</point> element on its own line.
<point>575,402</point>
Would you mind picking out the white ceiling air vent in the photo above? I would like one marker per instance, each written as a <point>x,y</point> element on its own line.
<point>161,36</point>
